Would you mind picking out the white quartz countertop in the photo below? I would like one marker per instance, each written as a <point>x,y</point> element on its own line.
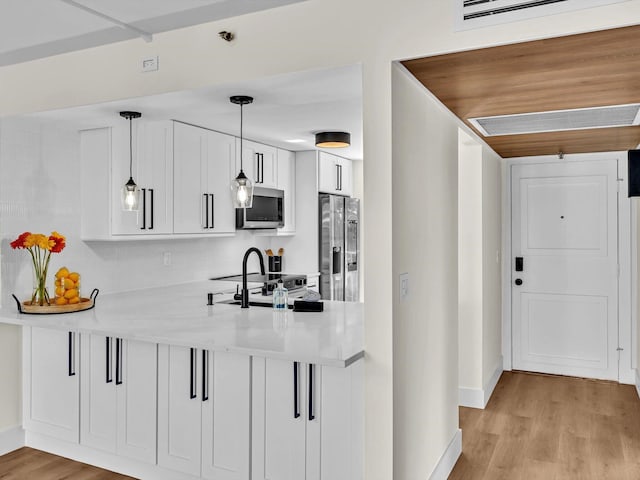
<point>179,315</point>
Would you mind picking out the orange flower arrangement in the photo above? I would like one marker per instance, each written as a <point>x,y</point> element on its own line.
<point>40,248</point>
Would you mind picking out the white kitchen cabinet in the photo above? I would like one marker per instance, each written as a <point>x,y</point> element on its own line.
<point>50,383</point>
<point>104,155</point>
<point>204,167</point>
<point>335,174</point>
<point>204,412</point>
<point>118,396</point>
<point>287,183</point>
<point>259,163</point>
<point>307,421</point>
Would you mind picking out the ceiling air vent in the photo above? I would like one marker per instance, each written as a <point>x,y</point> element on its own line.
<point>481,13</point>
<point>559,120</point>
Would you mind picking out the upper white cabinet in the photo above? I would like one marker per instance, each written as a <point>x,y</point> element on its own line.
<point>335,174</point>
<point>287,182</point>
<point>184,173</point>
<point>204,163</point>
<point>204,412</point>
<point>104,155</point>
<point>259,163</point>
<point>50,383</point>
<point>307,421</point>
<point>118,396</point>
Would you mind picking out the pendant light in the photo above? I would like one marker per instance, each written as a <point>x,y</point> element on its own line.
<point>241,186</point>
<point>130,192</point>
<point>333,139</point>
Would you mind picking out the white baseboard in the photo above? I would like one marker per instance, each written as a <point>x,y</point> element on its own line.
<point>476,398</point>
<point>449,458</point>
<point>11,439</point>
<point>638,381</point>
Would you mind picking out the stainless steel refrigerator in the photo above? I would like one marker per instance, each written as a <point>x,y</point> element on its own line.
<point>339,248</point>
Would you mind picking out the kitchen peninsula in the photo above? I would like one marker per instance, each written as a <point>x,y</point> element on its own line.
<point>157,384</point>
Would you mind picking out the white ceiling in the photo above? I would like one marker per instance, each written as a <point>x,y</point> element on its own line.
<point>31,29</point>
<point>286,107</point>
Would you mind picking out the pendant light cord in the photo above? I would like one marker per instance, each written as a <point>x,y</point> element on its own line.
<point>130,148</point>
<point>241,152</point>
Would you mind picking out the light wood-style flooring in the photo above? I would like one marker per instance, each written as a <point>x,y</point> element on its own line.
<point>29,464</point>
<point>552,428</point>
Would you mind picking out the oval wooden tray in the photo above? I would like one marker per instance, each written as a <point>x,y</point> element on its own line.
<point>84,304</point>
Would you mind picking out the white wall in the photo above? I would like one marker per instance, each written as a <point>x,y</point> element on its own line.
<point>491,265</point>
<point>479,268</point>
<point>470,258</point>
<point>294,38</point>
<point>425,237</point>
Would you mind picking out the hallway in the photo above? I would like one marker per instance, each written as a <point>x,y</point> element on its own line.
<point>547,427</point>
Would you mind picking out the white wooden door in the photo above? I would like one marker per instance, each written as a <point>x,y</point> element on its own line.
<point>190,187</point>
<point>279,420</point>
<point>136,400</point>
<point>152,171</point>
<point>51,388</point>
<point>98,393</point>
<point>219,171</point>
<point>328,173</point>
<point>226,416</point>
<point>564,299</point>
<point>179,410</point>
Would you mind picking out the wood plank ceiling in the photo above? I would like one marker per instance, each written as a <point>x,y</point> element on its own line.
<point>586,70</point>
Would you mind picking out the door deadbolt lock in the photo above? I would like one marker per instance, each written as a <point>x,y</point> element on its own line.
<point>518,281</point>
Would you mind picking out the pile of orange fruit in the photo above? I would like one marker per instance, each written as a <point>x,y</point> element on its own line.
<point>67,287</point>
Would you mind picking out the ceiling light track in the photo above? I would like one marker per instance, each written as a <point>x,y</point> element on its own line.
<point>146,36</point>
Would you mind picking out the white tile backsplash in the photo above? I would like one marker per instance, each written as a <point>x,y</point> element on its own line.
<point>39,175</point>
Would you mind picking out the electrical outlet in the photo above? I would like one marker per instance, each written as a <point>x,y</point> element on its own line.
<point>150,64</point>
<point>166,259</point>
<point>404,286</point>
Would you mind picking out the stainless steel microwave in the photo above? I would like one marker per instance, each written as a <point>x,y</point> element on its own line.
<point>267,210</point>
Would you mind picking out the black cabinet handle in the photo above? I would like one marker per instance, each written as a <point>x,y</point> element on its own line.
<point>262,168</point>
<point>109,376</point>
<point>192,374</point>
<point>118,361</point>
<point>152,209</point>
<point>206,210</point>
<point>144,209</point>
<point>257,168</point>
<point>519,264</point>
<point>205,375</point>
<point>311,370</point>
<point>337,177</point>
<point>213,211</point>
<point>296,399</point>
<point>340,177</point>
<point>72,355</point>
<point>518,281</point>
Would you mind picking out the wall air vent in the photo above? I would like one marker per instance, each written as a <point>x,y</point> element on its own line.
<point>482,13</point>
<point>559,120</point>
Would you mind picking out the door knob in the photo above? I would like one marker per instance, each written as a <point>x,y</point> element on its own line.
<point>518,281</point>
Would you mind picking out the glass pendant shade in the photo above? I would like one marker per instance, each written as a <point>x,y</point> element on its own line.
<point>241,186</point>
<point>242,191</point>
<point>130,196</point>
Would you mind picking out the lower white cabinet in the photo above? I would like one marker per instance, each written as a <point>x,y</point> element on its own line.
<point>118,396</point>
<point>50,382</point>
<point>307,421</point>
<point>204,412</point>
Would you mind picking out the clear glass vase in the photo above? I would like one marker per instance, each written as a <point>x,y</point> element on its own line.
<point>40,295</point>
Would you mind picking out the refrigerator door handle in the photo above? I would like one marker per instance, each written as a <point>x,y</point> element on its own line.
<point>337,260</point>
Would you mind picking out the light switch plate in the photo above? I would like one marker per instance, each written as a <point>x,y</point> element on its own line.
<point>404,286</point>
<point>150,64</point>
